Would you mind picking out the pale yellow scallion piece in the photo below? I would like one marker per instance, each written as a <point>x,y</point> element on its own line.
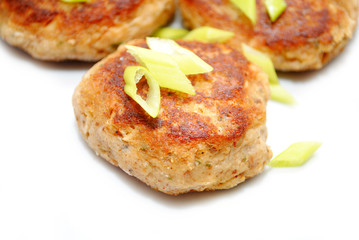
<point>132,76</point>
<point>146,56</point>
<point>275,8</point>
<point>163,68</point>
<point>209,34</point>
<point>248,7</point>
<point>280,94</point>
<point>296,155</point>
<point>262,60</point>
<point>188,62</point>
<point>172,78</point>
<point>171,33</point>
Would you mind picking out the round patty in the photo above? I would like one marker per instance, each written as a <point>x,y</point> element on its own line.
<point>54,30</point>
<point>306,37</point>
<point>212,140</point>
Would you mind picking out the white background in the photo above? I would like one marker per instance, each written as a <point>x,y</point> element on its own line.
<point>52,186</point>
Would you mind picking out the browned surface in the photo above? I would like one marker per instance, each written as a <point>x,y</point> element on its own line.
<point>313,28</point>
<point>301,21</point>
<point>56,31</point>
<point>72,16</point>
<point>224,92</point>
<point>212,140</point>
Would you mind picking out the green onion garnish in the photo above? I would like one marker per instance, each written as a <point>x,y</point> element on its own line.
<point>279,94</point>
<point>171,33</point>
<point>188,62</point>
<point>296,155</point>
<point>164,65</point>
<point>275,8</point>
<point>248,7</point>
<point>163,68</point>
<point>261,60</point>
<point>132,76</point>
<point>209,34</point>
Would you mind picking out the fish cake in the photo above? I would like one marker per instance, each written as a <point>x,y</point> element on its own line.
<point>212,140</point>
<point>54,30</point>
<point>306,36</point>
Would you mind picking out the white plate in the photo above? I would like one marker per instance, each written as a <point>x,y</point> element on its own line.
<point>52,186</point>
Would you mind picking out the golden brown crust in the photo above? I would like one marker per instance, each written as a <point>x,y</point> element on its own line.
<point>212,140</point>
<point>223,89</point>
<point>71,17</point>
<point>54,30</point>
<point>314,27</point>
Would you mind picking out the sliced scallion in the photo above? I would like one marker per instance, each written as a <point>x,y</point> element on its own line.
<point>146,56</point>
<point>209,34</point>
<point>262,60</point>
<point>280,94</point>
<point>296,155</point>
<point>132,76</point>
<point>275,8</point>
<point>171,33</point>
<point>163,68</point>
<point>248,7</point>
<point>188,62</point>
<point>171,78</point>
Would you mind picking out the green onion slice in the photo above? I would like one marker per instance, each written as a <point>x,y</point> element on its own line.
<point>163,68</point>
<point>275,8</point>
<point>262,60</point>
<point>171,33</point>
<point>248,7</point>
<point>188,62</point>
<point>296,155</point>
<point>146,56</point>
<point>209,34</point>
<point>172,78</point>
<point>279,94</point>
<point>132,76</point>
<point>265,63</point>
